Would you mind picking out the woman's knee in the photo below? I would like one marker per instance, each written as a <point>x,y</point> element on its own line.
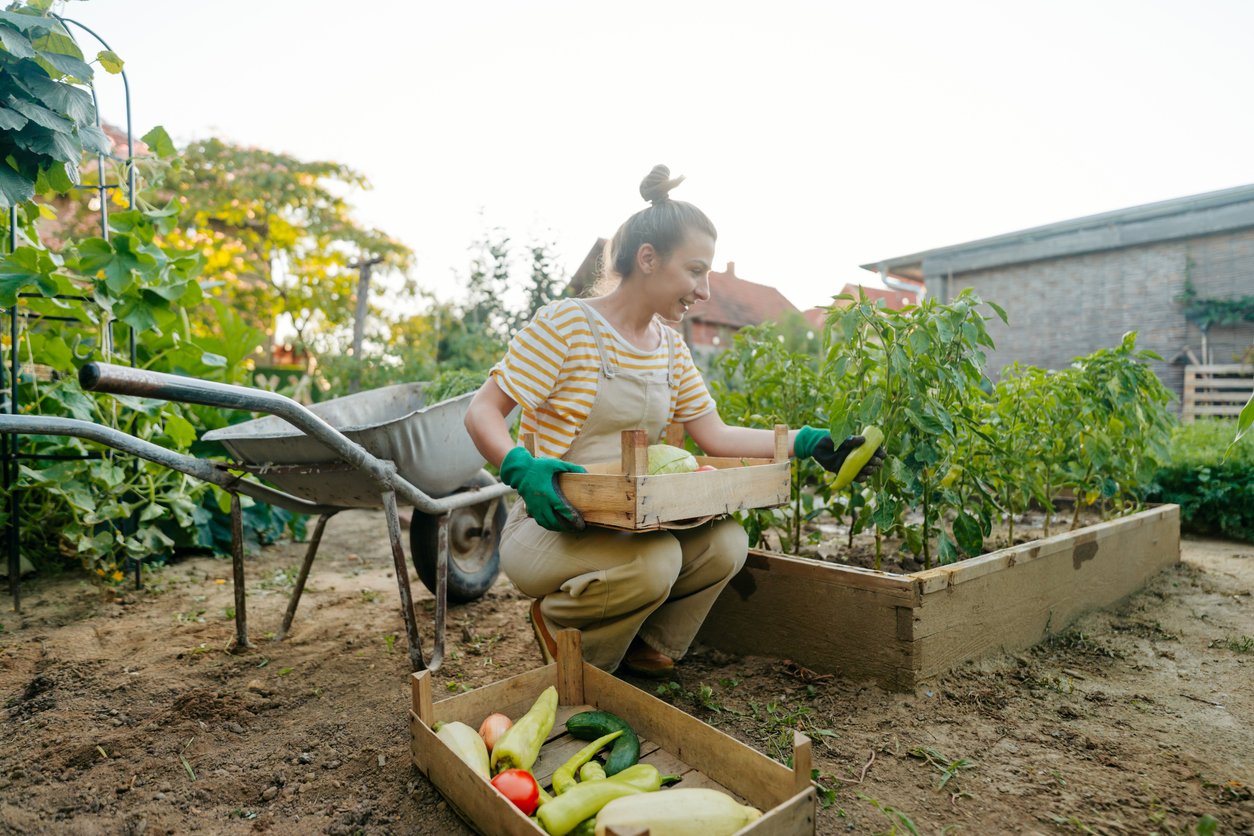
<point>729,544</point>
<point>657,567</point>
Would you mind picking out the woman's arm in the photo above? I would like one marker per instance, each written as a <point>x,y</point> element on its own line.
<point>717,439</point>
<point>485,421</point>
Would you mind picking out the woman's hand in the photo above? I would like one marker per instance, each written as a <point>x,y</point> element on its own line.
<point>535,479</point>
<point>817,444</point>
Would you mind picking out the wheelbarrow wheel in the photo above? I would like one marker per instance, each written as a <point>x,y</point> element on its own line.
<point>474,547</point>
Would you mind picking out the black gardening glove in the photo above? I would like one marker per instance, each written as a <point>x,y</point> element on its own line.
<point>817,444</point>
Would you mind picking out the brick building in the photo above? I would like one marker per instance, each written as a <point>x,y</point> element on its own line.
<point>1073,287</point>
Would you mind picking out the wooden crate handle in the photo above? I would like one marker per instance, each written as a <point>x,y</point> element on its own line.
<point>635,453</point>
<point>781,442</point>
<point>529,441</point>
<point>801,761</point>
<point>675,434</point>
<point>569,667</point>
<point>420,692</point>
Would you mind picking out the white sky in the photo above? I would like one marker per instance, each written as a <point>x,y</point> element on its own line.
<point>816,135</point>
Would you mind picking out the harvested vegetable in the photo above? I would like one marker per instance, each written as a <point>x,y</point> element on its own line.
<point>591,771</point>
<point>663,458</point>
<point>564,775</point>
<point>679,812</point>
<point>589,725</point>
<point>519,747</point>
<point>520,787</point>
<point>491,729</point>
<point>466,744</point>
<point>565,812</point>
<point>857,460</point>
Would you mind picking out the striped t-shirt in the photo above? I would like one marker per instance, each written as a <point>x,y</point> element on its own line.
<point>552,371</point>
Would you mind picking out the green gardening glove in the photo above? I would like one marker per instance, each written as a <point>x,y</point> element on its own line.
<point>536,482</point>
<point>817,444</point>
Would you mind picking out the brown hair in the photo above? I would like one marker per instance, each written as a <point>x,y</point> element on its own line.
<point>664,224</point>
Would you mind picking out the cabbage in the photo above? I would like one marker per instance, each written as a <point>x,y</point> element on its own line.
<point>663,458</point>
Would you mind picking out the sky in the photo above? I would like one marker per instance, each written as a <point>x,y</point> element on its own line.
<point>817,136</point>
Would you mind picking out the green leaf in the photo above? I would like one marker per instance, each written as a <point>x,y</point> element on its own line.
<point>159,142</point>
<point>11,120</point>
<point>27,22</point>
<point>94,140</point>
<point>968,534</point>
<point>41,115</point>
<point>110,61</point>
<point>62,97</point>
<point>14,189</point>
<point>999,311</point>
<point>15,43</point>
<point>180,430</point>
<point>75,68</point>
<point>138,314</point>
<point>1244,421</point>
<point>51,350</point>
<point>948,549</point>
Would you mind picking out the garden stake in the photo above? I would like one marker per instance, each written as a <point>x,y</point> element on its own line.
<point>294,601</point>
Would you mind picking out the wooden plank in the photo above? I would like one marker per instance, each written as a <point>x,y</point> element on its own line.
<point>553,754</point>
<point>420,696</point>
<point>475,799</point>
<point>795,816</point>
<point>511,697</point>
<point>569,667</point>
<point>1012,609</point>
<point>635,452</point>
<point>831,619</point>
<point>679,496</point>
<point>720,757</point>
<point>801,761</point>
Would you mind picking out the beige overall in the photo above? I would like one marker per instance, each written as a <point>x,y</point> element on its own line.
<point>613,585</point>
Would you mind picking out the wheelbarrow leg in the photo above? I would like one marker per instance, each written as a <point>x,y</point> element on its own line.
<point>294,601</point>
<point>237,564</point>
<point>402,581</point>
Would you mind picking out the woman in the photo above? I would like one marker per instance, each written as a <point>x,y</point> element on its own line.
<point>583,371</point>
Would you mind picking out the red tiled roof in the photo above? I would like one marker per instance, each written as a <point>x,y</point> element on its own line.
<point>737,303</point>
<point>893,299</point>
<point>816,317</point>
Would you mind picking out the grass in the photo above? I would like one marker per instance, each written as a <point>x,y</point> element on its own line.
<point>1237,644</point>
<point>947,766</point>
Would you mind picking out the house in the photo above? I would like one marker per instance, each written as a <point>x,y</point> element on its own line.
<point>1072,287</point>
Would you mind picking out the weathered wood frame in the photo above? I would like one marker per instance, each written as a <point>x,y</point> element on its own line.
<point>622,495</point>
<point>669,739</point>
<point>901,630</point>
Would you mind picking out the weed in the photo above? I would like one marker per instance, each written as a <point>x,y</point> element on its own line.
<point>827,793</point>
<point>389,639</point>
<point>726,683</point>
<point>780,722</point>
<point>191,617</point>
<point>229,612</point>
<point>1073,823</point>
<point>1207,825</point>
<point>264,661</point>
<point>948,767</point>
<point>283,579</point>
<point>1078,640</point>
<point>285,671</point>
<point>1237,644</point>
<point>369,596</point>
<point>895,817</point>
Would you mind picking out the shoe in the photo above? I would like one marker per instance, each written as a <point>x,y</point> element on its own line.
<point>548,646</point>
<point>643,660</point>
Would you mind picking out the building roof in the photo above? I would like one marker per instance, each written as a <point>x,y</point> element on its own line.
<point>589,271</point>
<point>1182,217</point>
<point>736,302</point>
<point>893,299</point>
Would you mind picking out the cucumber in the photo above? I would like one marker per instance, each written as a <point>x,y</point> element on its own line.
<point>855,461</point>
<point>589,725</point>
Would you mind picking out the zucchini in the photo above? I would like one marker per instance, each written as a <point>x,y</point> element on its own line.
<point>589,725</point>
<point>679,812</point>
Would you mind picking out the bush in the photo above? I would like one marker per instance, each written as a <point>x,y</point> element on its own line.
<point>1215,496</point>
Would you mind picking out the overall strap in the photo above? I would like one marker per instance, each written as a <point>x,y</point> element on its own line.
<point>607,368</point>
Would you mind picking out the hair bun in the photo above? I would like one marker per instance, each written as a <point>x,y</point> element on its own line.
<point>656,186</point>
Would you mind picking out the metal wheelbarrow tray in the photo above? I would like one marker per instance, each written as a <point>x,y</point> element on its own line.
<point>367,450</point>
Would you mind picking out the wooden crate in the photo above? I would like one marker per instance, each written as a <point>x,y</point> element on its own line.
<point>622,495</point>
<point>1216,390</point>
<point>902,630</point>
<point>671,740</point>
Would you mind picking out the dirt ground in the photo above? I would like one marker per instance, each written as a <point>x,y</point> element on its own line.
<point>126,714</point>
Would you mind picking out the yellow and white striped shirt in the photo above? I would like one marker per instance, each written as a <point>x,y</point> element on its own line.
<point>551,370</point>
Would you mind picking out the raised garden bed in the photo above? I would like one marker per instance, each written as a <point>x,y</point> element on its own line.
<point>901,630</point>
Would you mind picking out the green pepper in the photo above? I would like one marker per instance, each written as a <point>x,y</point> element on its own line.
<point>564,775</point>
<point>519,747</point>
<point>564,813</point>
<point>591,771</point>
<point>643,777</point>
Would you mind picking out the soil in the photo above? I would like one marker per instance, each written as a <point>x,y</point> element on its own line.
<point>125,712</point>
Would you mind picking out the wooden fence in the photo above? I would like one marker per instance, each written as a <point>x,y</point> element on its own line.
<point>1216,390</point>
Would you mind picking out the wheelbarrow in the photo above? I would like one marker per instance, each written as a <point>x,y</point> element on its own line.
<point>367,450</point>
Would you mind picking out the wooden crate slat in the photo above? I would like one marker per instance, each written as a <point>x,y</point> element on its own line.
<point>796,815</point>
<point>1215,390</point>
<point>511,697</point>
<point>720,757</point>
<point>680,496</point>
<point>553,754</point>
<point>476,800</point>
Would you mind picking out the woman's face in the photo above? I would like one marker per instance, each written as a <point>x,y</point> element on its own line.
<point>676,283</point>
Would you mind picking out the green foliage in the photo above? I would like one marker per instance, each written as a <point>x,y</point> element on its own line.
<point>1207,313</point>
<point>48,118</point>
<point>1216,496</point>
<point>759,382</point>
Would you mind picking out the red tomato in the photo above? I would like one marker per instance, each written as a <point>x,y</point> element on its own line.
<point>520,787</point>
<point>705,468</point>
